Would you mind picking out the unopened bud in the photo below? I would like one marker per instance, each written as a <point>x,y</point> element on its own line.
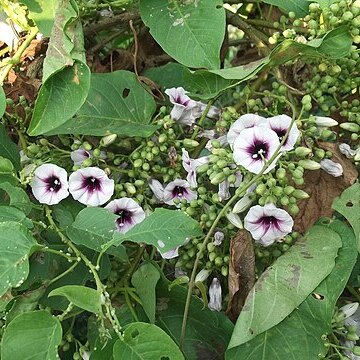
<point>355,128</point>
<point>202,275</point>
<point>324,121</point>
<point>215,295</point>
<point>331,167</point>
<point>357,154</point>
<point>349,309</point>
<point>190,144</point>
<point>218,178</point>
<point>243,204</point>
<point>346,150</point>
<point>235,220</point>
<point>309,164</point>
<point>130,188</point>
<point>108,140</point>
<point>300,194</point>
<point>302,151</point>
<point>218,238</point>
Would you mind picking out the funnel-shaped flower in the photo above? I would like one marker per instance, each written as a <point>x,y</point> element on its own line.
<point>178,189</point>
<point>80,155</point>
<point>268,223</point>
<point>254,146</point>
<point>280,124</point>
<point>91,186</point>
<point>190,166</point>
<point>129,213</point>
<point>50,184</point>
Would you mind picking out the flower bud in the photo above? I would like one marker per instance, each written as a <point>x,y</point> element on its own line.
<point>324,121</point>
<point>309,164</point>
<point>243,204</point>
<point>300,194</point>
<point>218,238</point>
<point>235,220</point>
<point>202,275</point>
<point>350,127</point>
<point>357,154</point>
<point>302,151</point>
<point>218,178</point>
<point>130,188</point>
<point>356,350</point>
<point>349,309</point>
<point>190,144</point>
<point>331,167</point>
<point>108,140</point>
<point>215,294</point>
<point>346,150</point>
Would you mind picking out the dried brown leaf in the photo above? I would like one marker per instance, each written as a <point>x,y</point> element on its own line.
<point>323,189</point>
<point>241,272</point>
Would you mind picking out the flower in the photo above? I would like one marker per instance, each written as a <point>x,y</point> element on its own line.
<point>178,189</point>
<point>243,122</point>
<point>254,146</point>
<point>173,253</point>
<point>224,186</point>
<point>215,295</point>
<point>185,110</point>
<point>157,188</point>
<point>91,186</point>
<point>190,166</point>
<point>268,223</point>
<point>80,155</point>
<point>129,213</point>
<point>50,184</point>
<point>218,238</point>
<point>346,150</point>
<point>280,124</point>
<point>331,167</point>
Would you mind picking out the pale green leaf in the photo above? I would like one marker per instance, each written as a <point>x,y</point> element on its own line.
<point>146,342</point>
<point>116,103</point>
<point>2,102</point>
<point>191,32</point>
<point>144,281</point>
<point>14,254</point>
<point>30,336</point>
<point>81,296</point>
<point>299,7</point>
<point>286,341</point>
<point>8,149</point>
<point>286,284</point>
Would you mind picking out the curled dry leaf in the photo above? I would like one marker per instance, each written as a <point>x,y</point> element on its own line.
<point>323,189</point>
<point>241,272</point>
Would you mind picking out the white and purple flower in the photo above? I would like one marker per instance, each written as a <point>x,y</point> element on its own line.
<point>178,189</point>
<point>243,122</point>
<point>80,155</point>
<point>280,124</point>
<point>268,223</point>
<point>254,147</point>
<point>185,110</point>
<point>50,184</point>
<point>129,213</point>
<point>91,186</point>
<point>190,166</point>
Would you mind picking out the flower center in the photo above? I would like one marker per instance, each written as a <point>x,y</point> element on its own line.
<point>269,222</point>
<point>53,184</point>
<point>179,101</point>
<point>258,149</point>
<point>92,184</point>
<point>178,192</point>
<point>124,216</point>
<point>280,133</point>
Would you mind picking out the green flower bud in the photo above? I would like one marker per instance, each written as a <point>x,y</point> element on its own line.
<point>284,200</point>
<point>300,194</point>
<point>260,189</point>
<point>218,178</point>
<point>306,99</point>
<point>6,166</point>
<point>86,162</point>
<point>309,164</point>
<point>218,261</point>
<point>356,350</point>
<point>302,151</point>
<point>352,337</point>
<point>212,256</point>
<point>280,173</point>
<point>224,271</point>
<point>350,127</point>
<point>293,209</point>
<point>87,146</point>
<point>130,188</point>
<point>288,190</point>
<point>138,163</point>
<point>320,153</point>
<point>108,140</point>
<point>33,148</point>
<point>190,144</point>
<point>277,191</point>
<point>221,163</point>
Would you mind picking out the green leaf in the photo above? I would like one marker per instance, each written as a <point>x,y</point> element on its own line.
<point>146,342</point>
<point>59,98</point>
<point>18,197</point>
<point>191,32</point>
<point>32,335</point>
<point>299,7</point>
<point>8,149</point>
<point>81,296</point>
<point>14,254</point>
<point>348,205</point>
<point>116,103</point>
<point>66,77</point>
<point>144,281</point>
<point>207,332</point>
<point>164,229</point>
<point>8,213</point>
<point>43,14</point>
<point>286,284</point>
<point>2,102</point>
<point>313,317</point>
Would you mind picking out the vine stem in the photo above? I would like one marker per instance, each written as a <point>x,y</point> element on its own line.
<point>17,56</point>
<point>213,226</point>
<point>202,118</point>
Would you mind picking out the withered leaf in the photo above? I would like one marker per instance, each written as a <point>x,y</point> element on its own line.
<point>241,272</point>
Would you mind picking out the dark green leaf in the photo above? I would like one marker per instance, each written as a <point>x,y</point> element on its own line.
<point>299,7</point>
<point>81,296</point>
<point>144,281</point>
<point>8,149</point>
<point>116,103</point>
<point>9,213</point>
<point>18,197</point>
<point>191,32</point>
<point>313,317</point>
<point>2,102</point>
<point>146,342</point>
<point>32,335</point>
<point>287,283</point>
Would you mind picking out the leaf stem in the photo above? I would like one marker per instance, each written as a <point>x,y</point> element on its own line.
<point>203,116</point>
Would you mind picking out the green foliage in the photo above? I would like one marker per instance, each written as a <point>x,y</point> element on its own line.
<point>146,341</point>
<point>18,197</point>
<point>182,29</point>
<point>8,149</point>
<point>117,103</point>
<point>299,7</point>
<point>9,213</point>
<point>32,335</point>
<point>2,102</point>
